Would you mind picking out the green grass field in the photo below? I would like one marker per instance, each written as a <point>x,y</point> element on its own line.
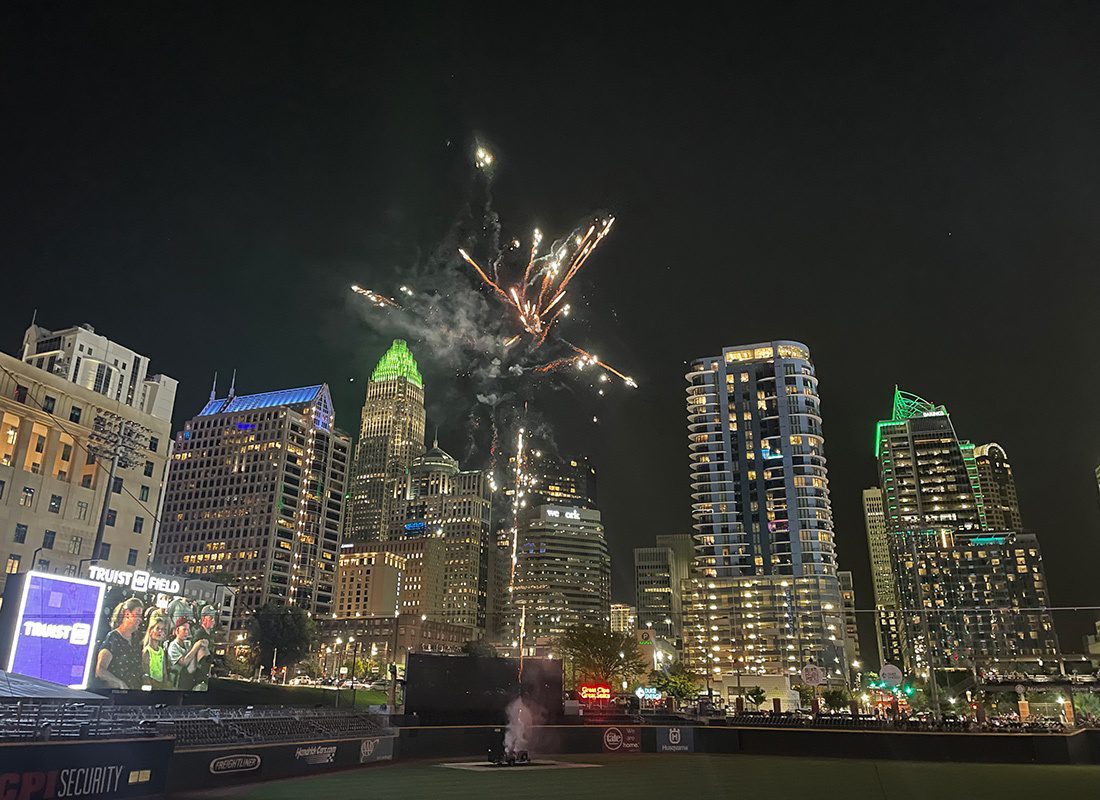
<point>244,693</point>
<point>672,777</point>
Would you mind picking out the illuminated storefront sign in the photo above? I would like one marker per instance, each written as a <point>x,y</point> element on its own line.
<point>594,691</point>
<point>647,693</point>
<point>55,631</point>
<point>137,580</point>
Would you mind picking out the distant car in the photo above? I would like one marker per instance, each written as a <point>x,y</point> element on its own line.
<point>379,686</point>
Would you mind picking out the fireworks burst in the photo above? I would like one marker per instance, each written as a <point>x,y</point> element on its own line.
<point>536,298</point>
<point>380,300</point>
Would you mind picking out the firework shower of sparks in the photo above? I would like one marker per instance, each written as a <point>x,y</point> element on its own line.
<point>536,299</point>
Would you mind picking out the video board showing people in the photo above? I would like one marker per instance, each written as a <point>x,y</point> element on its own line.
<point>152,641</point>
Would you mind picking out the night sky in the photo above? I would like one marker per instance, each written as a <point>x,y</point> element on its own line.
<point>910,190</point>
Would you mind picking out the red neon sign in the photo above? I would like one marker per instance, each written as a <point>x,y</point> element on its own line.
<point>594,691</point>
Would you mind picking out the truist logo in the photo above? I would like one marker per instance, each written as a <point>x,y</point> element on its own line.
<point>78,633</point>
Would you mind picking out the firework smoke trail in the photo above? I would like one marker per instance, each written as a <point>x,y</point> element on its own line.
<point>500,358</point>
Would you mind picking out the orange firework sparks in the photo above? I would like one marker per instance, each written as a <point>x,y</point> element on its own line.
<point>379,300</point>
<point>537,298</point>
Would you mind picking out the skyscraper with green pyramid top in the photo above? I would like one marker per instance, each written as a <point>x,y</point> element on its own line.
<point>391,435</point>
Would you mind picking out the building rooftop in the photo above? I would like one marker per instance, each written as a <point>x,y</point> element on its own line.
<point>398,362</point>
<point>316,396</point>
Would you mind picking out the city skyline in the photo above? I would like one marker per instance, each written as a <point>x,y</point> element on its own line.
<point>798,211</point>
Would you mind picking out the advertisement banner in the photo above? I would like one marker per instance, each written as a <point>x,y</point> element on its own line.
<point>55,629</point>
<point>87,770</point>
<point>676,740</point>
<point>376,748</point>
<point>622,740</point>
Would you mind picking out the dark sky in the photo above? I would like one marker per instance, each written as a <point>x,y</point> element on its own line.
<point>912,190</point>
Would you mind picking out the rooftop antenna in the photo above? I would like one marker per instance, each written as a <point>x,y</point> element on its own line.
<point>214,388</point>
<point>435,439</point>
<point>233,385</point>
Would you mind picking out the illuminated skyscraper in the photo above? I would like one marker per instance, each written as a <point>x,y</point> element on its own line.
<point>1002,508</point>
<point>255,497</point>
<point>440,500</point>
<point>882,577</point>
<point>553,480</point>
<point>965,591</point>
<point>764,597</point>
<point>564,573</point>
<point>929,477</point>
<point>391,435</point>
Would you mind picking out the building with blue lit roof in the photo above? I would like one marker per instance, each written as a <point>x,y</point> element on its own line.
<point>255,498</point>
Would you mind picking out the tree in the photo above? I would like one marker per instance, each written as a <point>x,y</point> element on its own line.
<point>283,632</point>
<point>677,681</point>
<point>756,696</point>
<point>479,648</point>
<point>835,699</point>
<point>600,655</point>
<point>242,663</point>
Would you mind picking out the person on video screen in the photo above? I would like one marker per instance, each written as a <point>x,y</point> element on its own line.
<point>119,663</point>
<point>185,655</point>
<point>154,654</point>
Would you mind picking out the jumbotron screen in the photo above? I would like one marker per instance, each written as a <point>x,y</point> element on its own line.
<point>154,640</point>
<point>122,630</point>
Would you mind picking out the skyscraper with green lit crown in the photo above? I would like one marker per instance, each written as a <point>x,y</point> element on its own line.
<point>391,435</point>
<point>966,591</point>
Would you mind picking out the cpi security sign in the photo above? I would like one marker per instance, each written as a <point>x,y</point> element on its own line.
<point>55,631</point>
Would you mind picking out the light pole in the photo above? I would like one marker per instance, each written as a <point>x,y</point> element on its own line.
<point>335,661</point>
<point>116,438</point>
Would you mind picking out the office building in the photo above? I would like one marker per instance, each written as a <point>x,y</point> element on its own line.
<point>439,499</point>
<point>255,497</point>
<point>659,575</point>
<point>421,589</point>
<point>887,619</point>
<point>83,357</point>
<point>1002,508</point>
<point>368,584</point>
<point>624,618</point>
<point>563,576</point>
<point>764,595</point>
<point>964,591</point>
<point>851,623</point>
<point>391,435</point>
<point>52,489</point>
<point>547,480</point>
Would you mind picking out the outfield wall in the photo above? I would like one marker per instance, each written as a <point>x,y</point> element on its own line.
<point>133,768</point>
<point>1079,747</point>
